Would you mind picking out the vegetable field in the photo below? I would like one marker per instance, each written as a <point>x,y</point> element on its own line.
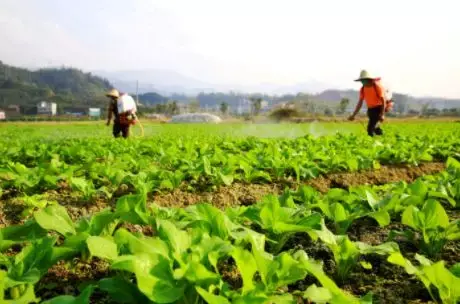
<point>314,213</point>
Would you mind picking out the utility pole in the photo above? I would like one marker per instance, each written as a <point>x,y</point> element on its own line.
<point>137,92</point>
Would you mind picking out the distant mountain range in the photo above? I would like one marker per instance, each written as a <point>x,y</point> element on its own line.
<point>167,82</point>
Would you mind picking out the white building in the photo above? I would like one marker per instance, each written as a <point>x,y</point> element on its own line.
<point>2,115</point>
<point>94,112</point>
<point>46,108</point>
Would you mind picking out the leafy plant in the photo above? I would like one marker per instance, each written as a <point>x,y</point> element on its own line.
<point>433,224</point>
<point>432,275</point>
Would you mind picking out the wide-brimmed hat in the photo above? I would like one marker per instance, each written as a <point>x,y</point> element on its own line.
<point>366,75</point>
<point>113,93</point>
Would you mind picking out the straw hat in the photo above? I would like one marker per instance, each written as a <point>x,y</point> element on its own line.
<point>366,75</point>
<point>113,93</point>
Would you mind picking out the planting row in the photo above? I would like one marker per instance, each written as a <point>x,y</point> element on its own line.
<point>95,167</point>
<point>183,258</point>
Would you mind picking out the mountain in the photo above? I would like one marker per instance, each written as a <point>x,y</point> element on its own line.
<point>167,82</point>
<point>65,86</point>
<point>164,82</point>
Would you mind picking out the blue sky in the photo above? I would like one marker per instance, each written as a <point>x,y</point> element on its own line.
<point>413,45</point>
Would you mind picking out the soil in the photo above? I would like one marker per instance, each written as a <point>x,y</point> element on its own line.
<point>384,175</point>
<point>141,229</point>
<point>247,194</point>
<point>230,273</point>
<point>69,278</point>
<point>389,283</point>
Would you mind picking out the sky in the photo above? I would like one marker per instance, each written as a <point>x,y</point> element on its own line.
<point>413,45</point>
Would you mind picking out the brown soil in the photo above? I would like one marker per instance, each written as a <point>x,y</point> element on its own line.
<point>384,175</point>
<point>141,229</point>
<point>67,279</point>
<point>246,194</point>
<point>236,194</point>
<point>11,209</point>
<point>387,282</point>
<point>230,274</point>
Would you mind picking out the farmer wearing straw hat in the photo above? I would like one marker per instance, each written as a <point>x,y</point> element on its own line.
<point>118,127</point>
<point>374,95</point>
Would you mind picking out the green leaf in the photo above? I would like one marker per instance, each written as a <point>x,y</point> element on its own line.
<point>398,259</point>
<point>211,298</point>
<point>372,199</point>
<point>32,262</point>
<point>419,188</point>
<point>12,235</point>
<point>435,215</point>
<point>27,297</point>
<point>456,270</point>
<point>137,245</point>
<point>247,266</point>
<point>410,218</point>
<point>83,298</point>
<point>179,241</point>
<point>314,268</point>
<point>122,291</point>
<point>382,217</point>
<point>317,294</point>
<point>197,273</point>
<point>207,166</point>
<point>102,247</point>
<point>132,208</point>
<point>220,224</point>
<point>285,270</point>
<point>352,164</point>
<point>55,218</point>
<point>154,276</point>
<point>338,212</point>
<point>366,265</point>
<point>447,284</point>
<point>226,179</point>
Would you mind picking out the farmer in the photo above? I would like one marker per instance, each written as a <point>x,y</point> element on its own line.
<point>374,95</point>
<point>118,127</point>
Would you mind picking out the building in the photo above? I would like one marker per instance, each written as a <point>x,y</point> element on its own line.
<point>46,108</point>
<point>94,112</point>
<point>2,115</point>
<point>74,111</point>
<point>12,111</point>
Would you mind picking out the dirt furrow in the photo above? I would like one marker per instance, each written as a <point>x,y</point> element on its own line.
<point>246,194</point>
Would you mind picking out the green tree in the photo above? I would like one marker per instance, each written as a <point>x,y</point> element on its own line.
<point>174,108</point>
<point>224,108</point>
<point>328,112</point>
<point>194,106</point>
<point>343,105</point>
<point>400,105</point>
<point>256,105</point>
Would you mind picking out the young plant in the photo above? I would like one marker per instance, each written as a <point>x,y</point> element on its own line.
<point>281,222</point>
<point>169,267</point>
<point>27,267</point>
<point>346,253</point>
<point>431,275</point>
<point>433,224</point>
<point>83,298</point>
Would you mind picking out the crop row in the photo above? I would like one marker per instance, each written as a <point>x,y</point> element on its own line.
<point>182,261</point>
<point>91,166</point>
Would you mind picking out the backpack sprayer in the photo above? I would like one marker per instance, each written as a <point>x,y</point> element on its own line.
<point>127,111</point>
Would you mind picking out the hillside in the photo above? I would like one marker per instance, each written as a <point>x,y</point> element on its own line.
<point>65,86</point>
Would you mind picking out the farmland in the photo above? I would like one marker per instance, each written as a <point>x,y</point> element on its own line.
<point>232,213</point>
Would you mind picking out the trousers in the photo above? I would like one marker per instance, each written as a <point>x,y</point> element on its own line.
<point>120,128</point>
<point>373,127</point>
